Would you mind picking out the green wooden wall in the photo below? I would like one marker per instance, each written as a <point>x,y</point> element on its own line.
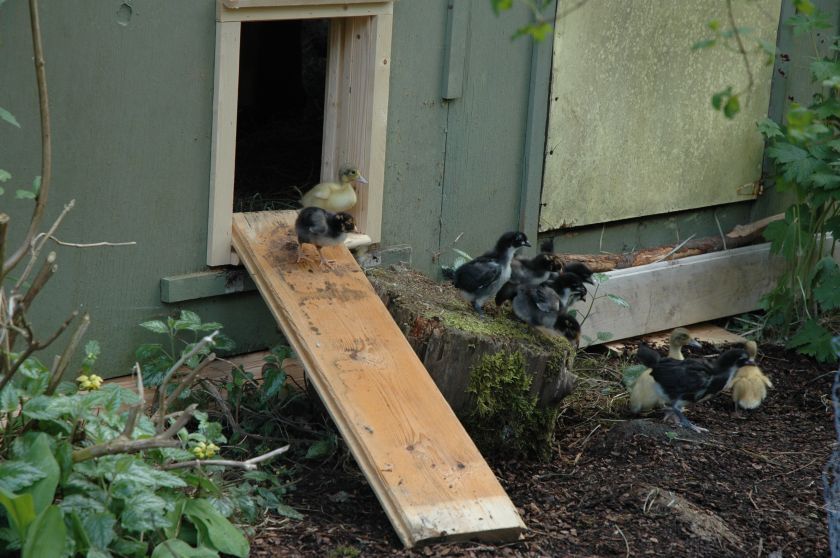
<point>132,110</point>
<point>131,87</point>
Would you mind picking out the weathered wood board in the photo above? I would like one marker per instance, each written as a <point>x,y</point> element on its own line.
<point>427,473</point>
<point>669,294</point>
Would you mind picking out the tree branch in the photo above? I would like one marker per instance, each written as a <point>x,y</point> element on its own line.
<point>64,361</point>
<point>46,143</point>
<point>184,358</point>
<point>740,43</point>
<point>249,465</point>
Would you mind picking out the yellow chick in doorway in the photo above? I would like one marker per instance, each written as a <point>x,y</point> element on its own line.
<point>333,196</point>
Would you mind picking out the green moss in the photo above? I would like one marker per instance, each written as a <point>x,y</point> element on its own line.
<point>505,415</point>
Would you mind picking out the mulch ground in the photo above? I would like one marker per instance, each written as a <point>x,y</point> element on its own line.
<point>621,486</point>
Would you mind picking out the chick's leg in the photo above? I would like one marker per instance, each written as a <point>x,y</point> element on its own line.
<point>300,255</point>
<point>685,423</point>
<point>324,261</point>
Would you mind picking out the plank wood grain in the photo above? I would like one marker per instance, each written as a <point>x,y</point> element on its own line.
<point>427,473</point>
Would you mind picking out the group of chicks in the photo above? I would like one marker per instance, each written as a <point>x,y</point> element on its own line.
<point>541,289</point>
<point>324,220</point>
<point>673,381</point>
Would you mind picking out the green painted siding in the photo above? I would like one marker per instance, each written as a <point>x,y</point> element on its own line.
<point>132,113</point>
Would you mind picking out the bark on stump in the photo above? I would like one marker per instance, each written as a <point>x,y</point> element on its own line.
<point>452,341</point>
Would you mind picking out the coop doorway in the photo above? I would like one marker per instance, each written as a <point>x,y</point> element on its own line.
<point>301,87</point>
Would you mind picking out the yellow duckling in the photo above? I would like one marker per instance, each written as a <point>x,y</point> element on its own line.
<point>335,197</point>
<point>643,395</point>
<point>749,385</point>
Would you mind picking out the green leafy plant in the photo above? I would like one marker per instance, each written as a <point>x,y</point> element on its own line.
<point>539,28</point>
<point>805,151</point>
<point>600,336</point>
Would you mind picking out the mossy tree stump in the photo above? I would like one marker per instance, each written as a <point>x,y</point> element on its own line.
<point>481,363</point>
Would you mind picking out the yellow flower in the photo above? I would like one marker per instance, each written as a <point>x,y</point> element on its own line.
<point>212,449</point>
<point>89,383</point>
<point>200,450</point>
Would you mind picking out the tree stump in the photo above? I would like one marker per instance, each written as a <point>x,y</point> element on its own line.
<point>454,343</point>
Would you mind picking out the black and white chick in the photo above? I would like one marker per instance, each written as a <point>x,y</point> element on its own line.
<point>689,381</point>
<point>541,305</point>
<point>581,270</point>
<point>527,271</point>
<point>480,279</point>
<point>320,227</point>
<point>567,326</point>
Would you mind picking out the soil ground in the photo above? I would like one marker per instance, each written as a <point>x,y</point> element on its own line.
<point>621,486</point>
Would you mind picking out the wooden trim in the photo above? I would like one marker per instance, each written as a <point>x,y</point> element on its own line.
<point>237,4</point>
<point>455,57</point>
<point>535,136</point>
<point>355,113</point>
<point>259,10</point>
<point>223,147</point>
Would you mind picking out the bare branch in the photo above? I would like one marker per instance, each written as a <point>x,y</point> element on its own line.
<point>64,361</point>
<point>175,367</point>
<point>4,228</point>
<point>46,144</point>
<point>249,465</point>
<point>90,245</point>
<point>187,380</point>
<point>47,271</point>
<point>36,245</point>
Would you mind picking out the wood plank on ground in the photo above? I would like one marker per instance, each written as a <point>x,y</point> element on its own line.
<point>428,474</point>
<point>710,333</point>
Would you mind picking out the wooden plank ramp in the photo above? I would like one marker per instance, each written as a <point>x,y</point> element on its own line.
<point>428,474</point>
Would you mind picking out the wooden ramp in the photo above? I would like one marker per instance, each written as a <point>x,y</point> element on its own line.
<point>426,471</point>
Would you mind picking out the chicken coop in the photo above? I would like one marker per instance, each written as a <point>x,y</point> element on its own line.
<point>169,117</point>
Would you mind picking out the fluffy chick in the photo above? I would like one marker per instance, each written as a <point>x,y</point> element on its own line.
<point>320,227</point>
<point>480,279</point>
<point>541,305</point>
<point>581,270</point>
<point>643,395</point>
<point>749,385</point>
<point>526,271</point>
<point>689,381</point>
<point>333,196</point>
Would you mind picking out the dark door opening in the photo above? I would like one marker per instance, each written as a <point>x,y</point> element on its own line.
<point>280,113</point>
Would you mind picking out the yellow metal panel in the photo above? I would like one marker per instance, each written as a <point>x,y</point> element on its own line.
<point>631,130</point>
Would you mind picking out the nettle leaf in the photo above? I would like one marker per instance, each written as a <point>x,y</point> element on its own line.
<point>5,175</point>
<point>288,511</point>
<point>769,128</point>
<point>8,117</point>
<point>501,5</point>
<point>100,528</point>
<point>603,336</point>
<point>156,326</point>
<point>273,381</point>
<point>16,475</point>
<point>145,511</point>
<point>781,235</point>
<point>24,195</point>
<point>9,399</point>
<point>825,69</point>
<point>321,449</point>
<point>81,504</point>
<point>631,374</point>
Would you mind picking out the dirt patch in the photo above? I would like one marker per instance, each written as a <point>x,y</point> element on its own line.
<point>619,486</point>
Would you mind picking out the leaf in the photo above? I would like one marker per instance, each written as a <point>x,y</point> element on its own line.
<point>320,449</point>
<point>8,117</point>
<point>145,511</point>
<point>501,5</point>
<point>618,300</point>
<point>98,553</point>
<point>20,510</point>
<point>814,340</point>
<point>769,129</point>
<point>9,399</point>
<point>16,475</point>
<point>36,185</point>
<point>214,530</point>
<point>47,536</point>
<point>825,69</point>
<point>273,381</point>
<point>705,43</point>
<point>604,335</point>
<point>156,326</point>
<point>720,96</point>
<point>732,107</point>
<point>176,548</point>
<point>786,153</point>
<point>288,511</point>
<point>24,195</point>
<point>804,6</point>
<point>631,374</point>
<point>5,175</point>
<point>462,254</point>
<point>92,348</point>
<point>40,455</point>
<point>100,528</point>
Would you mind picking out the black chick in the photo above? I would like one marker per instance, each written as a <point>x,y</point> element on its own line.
<point>568,327</point>
<point>540,305</point>
<point>526,271</point>
<point>581,270</point>
<point>320,227</point>
<point>481,278</point>
<point>689,381</point>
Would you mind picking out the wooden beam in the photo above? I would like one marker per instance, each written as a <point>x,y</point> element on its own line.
<point>455,57</point>
<point>427,473</point>
<point>204,284</point>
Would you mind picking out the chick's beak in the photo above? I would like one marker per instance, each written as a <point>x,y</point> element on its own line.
<point>526,243</point>
<point>361,180</point>
<point>695,343</point>
<point>750,362</point>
